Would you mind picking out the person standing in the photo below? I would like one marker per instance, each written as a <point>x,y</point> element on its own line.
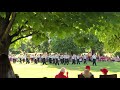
<point>35,59</point>
<point>61,59</point>
<point>24,58</point>
<point>44,59</point>
<point>56,59</point>
<point>27,59</point>
<point>78,59</point>
<point>85,59</point>
<point>73,59</point>
<point>20,58</point>
<point>81,58</point>
<point>94,59</point>
<point>67,59</point>
<point>50,58</point>
<point>38,58</point>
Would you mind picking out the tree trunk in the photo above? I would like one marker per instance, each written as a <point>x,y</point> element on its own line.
<point>93,51</point>
<point>4,47</point>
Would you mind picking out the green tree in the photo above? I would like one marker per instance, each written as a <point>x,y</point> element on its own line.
<point>65,45</point>
<point>18,25</point>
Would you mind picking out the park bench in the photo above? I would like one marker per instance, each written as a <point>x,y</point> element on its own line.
<point>108,76</point>
<point>80,76</point>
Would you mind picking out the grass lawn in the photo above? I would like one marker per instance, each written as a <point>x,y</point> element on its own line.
<point>49,71</point>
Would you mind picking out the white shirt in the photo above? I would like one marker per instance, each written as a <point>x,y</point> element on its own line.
<point>93,56</point>
<point>84,57</point>
<point>74,57</point>
<point>31,56</point>
<point>65,56</point>
<point>56,56</point>
<point>78,57</point>
<point>61,56</point>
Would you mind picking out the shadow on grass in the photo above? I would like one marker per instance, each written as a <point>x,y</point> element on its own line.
<point>111,66</point>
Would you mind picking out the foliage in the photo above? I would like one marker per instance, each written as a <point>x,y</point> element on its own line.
<point>104,25</point>
<point>66,45</point>
<point>117,54</point>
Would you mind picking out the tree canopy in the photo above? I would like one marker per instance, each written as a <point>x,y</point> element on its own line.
<point>41,25</point>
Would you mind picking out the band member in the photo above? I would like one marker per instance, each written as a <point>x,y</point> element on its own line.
<point>20,59</point>
<point>68,58</point>
<point>85,58</point>
<point>24,58</point>
<point>35,59</point>
<point>27,59</point>
<point>61,59</point>
<point>81,59</point>
<point>14,59</point>
<point>94,59</point>
<point>38,58</point>
<point>56,59</point>
<point>31,58</point>
<point>50,59</point>
<point>65,59</point>
<point>44,59</point>
<point>73,58</point>
<point>78,59</point>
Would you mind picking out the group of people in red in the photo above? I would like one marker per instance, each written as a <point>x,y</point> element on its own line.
<point>85,74</point>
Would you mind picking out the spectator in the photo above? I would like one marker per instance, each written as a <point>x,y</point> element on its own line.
<point>61,74</point>
<point>86,73</point>
<point>6,70</point>
<point>104,71</point>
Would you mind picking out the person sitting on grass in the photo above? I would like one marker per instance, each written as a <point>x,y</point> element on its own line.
<point>61,74</point>
<point>86,73</point>
<point>104,71</point>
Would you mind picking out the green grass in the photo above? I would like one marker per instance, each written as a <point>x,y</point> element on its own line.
<point>40,71</point>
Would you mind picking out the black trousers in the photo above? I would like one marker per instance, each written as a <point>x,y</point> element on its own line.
<point>94,62</point>
<point>57,62</point>
<point>53,61</point>
<point>23,60</point>
<point>61,60</point>
<point>73,61</point>
<point>27,61</point>
<point>44,61</point>
<point>50,60</point>
<point>85,62</point>
<point>14,60</point>
<point>20,60</point>
<point>78,62</point>
<point>35,61</point>
<point>66,61</point>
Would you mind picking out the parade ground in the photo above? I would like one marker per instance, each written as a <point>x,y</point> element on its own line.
<point>39,71</point>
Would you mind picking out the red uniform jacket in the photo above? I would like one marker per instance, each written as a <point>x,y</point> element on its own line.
<point>61,75</point>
